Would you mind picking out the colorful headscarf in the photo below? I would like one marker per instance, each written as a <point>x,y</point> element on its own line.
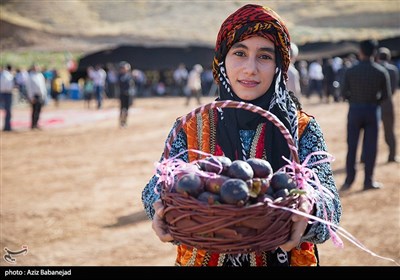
<point>255,20</point>
<point>252,20</point>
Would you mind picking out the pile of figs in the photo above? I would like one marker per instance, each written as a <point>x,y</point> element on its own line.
<point>238,182</point>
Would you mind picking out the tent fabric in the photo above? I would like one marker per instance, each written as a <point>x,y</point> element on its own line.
<point>167,58</point>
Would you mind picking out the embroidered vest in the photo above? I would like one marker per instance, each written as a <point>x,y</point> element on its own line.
<point>201,135</point>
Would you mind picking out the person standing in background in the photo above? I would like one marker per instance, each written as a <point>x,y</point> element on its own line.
<point>293,83</point>
<point>98,75</point>
<point>37,93</point>
<point>316,78</point>
<point>6,87</point>
<point>56,87</point>
<point>21,77</point>
<point>194,84</point>
<point>180,76</point>
<point>303,72</point>
<point>383,58</point>
<point>365,86</point>
<point>126,86</point>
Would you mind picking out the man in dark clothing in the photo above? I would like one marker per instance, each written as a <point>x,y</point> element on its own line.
<point>383,58</point>
<point>366,85</point>
<point>126,85</point>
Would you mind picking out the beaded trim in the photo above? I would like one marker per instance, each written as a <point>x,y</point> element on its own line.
<point>206,259</point>
<point>221,259</point>
<point>254,143</point>
<point>192,258</point>
<point>264,258</point>
<point>213,131</point>
<point>199,126</point>
<point>253,260</point>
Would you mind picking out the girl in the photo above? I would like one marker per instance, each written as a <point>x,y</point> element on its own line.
<point>250,64</point>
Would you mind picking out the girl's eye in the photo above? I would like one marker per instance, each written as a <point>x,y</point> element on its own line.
<point>239,53</point>
<point>265,56</point>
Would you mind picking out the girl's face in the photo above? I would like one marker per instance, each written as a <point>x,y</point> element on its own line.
<point>250,66</point>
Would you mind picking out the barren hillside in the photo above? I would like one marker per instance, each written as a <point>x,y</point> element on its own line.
<point>87,25</point>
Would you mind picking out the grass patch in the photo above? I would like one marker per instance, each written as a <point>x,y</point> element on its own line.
<point>46,59</point>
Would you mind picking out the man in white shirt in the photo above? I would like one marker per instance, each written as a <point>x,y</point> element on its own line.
<point>37,93</point>
<point>316,78</point>
<point>6,87</point>
<point>194,84</point>
<point>98,75</point>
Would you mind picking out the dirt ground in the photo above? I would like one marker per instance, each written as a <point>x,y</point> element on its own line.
<point>72,193</point>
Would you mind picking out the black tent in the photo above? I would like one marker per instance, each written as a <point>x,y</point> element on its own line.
<point>168,58</point>
<point>315,50</point>
<point>148,58</point>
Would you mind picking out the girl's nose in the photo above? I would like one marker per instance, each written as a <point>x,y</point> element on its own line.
<point>250,66</point>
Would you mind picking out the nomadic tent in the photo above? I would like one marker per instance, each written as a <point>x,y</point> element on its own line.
<point>164,58</point>
<point>148,58</point>
<point>315,50</point>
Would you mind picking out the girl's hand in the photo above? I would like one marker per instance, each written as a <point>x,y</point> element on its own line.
<point>159,226</point>
<point>299,224</point>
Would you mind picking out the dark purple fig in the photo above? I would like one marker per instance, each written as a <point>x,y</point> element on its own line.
<point>282,180</point>
<point>281,193</point>
<point>270,191</point>
<point>241,170</point>
<point>190,184</point>
<point>215,164</point>
<point>213,184</point>
<point>210,198</point>
<point>264,185</point>
<point>234,191</point>
<point>261,167</point>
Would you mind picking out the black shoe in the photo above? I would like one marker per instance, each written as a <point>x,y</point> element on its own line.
<point>395,159</point>
<point>345,187</point>
<point>373,186</point>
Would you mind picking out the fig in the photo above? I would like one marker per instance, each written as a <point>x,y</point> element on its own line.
<point>213,184</point>
<point>257,186</point>
<point>264,185</point>
<point>190,184</point>
<point>209,197</point>
<point>215,164</point>
<point>282,180</point>
<point>261,167</point>
<point>254,186</point>
<point>281,193</point>
<point>234,191</point>
<point>240,169</point>
<point>270,192</point>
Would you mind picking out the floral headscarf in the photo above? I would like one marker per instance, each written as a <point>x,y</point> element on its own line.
<point>255,20</point>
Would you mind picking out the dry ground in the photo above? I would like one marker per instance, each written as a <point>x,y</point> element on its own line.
<point>73,194</point>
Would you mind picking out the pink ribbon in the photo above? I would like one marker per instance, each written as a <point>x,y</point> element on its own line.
<point>169,168</point>
<point>304,177</point>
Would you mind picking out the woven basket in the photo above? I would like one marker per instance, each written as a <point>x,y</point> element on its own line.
<point>224,228</point>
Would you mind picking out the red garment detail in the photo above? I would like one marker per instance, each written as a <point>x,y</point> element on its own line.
<point>260,143</point>
<point>218,150</point>
<point>306,246</point>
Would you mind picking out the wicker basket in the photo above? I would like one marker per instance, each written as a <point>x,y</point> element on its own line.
<point>224,228</point>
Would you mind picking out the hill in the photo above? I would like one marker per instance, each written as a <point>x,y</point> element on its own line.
<point>86,26</point>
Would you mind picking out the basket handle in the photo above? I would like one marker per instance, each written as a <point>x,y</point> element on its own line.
<point>239,105</point>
